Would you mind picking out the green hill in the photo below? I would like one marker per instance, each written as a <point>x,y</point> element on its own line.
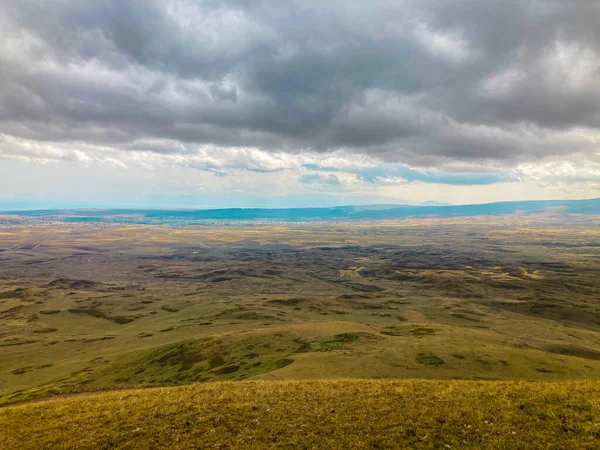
<point>234,330</point>
<point>315,414</point>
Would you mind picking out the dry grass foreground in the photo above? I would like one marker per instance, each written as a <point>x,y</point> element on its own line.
<point>315,414</point>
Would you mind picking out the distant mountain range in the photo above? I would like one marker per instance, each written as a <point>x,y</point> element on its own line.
<point>433,203</point>
<point>591,206</point>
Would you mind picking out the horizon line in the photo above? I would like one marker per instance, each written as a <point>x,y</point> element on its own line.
<point>392,205</point>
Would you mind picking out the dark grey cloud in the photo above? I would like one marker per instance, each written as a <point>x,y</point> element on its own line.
<point>422,83</point>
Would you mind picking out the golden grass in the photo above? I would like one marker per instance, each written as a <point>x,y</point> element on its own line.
<point>315,414</point>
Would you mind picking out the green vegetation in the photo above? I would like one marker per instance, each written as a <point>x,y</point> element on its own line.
<point>315,414</point>
<point>512,298</point>
<point>429,360</point>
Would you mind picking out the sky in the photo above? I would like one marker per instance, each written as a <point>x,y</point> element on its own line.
<point>191,103</point>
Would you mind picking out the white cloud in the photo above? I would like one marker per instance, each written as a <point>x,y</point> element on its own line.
<point>555,171</point>
<point>450,45</point>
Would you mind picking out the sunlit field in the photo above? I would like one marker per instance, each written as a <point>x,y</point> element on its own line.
<point>341,414</point>
<point>90,307</point>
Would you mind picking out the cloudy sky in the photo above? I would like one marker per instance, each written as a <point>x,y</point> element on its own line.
<point>297,103</point>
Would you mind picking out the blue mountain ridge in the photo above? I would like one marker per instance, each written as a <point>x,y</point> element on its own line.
<point>591,206</point>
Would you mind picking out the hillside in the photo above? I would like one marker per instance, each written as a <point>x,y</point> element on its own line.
<point>315,414</point>
<point>86,307</point>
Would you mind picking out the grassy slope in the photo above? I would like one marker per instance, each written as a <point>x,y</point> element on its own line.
<point>494,299</point>
<point>333,350</point>
<point>315,414</point>
<point>433,321</point>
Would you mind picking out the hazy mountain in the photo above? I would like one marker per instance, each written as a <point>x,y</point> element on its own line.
<point>381,211</point>
<point>433,203</point>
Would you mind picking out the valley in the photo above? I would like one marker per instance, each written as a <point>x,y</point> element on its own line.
<point>96,306</point>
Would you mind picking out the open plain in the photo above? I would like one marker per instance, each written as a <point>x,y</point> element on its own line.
<point>102,306</point>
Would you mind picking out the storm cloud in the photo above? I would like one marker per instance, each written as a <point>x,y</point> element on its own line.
<point>445,85</point>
